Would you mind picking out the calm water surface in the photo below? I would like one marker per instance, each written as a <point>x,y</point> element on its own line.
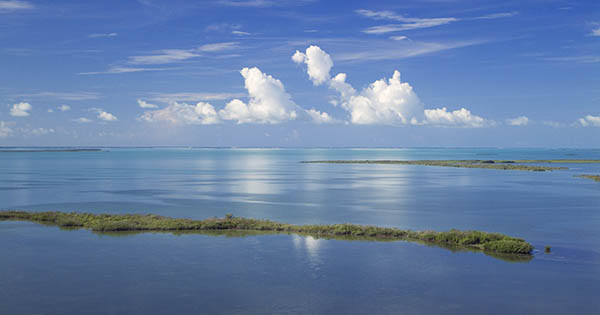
<point>44,270</point>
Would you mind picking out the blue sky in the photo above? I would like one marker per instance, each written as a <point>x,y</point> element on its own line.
<point>300,73</point>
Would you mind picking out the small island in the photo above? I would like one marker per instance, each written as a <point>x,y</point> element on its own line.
<point>520,165</point>
<point>488,242</point>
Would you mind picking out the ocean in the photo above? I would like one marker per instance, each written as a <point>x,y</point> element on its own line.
<point>46,270</point>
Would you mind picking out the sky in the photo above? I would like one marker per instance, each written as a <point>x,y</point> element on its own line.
<point>303,73</point>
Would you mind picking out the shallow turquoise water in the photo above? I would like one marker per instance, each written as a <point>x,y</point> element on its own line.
<point>44,270</point>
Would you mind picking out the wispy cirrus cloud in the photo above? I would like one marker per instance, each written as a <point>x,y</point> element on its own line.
<point>382,29</point>
<point>401,37</point>
<point>67,96</point>
<point>218,47</point>
<point>118,70</point>
<point>495,15</point>
<point>176,55</point>
<point>578,59</point>
<point>262,3</point>
<point>403,51</point>
<point>222,27</point>
<point>240,33</point>
<point>234,29</point>
<point>97,35</point>
<point>163,56</point>
<point>13,5</point>
<point>408,23</point>
<point>412,23</point>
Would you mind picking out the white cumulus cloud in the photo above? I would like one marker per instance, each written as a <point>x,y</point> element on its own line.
<point>385,101</point>
<point>518,121</point>
<point>64,108</point>
<point>461,117</point>
<point>269,102</point>
<point>106,116</point>
<point>144,104</point>
<point>103,115</point>
<point>36,131</point>
<point>318,63</point>
<point>183,114</point>
<point>82,120</point>
<point>5,130</point>
<point>20,109</point>
<point>589,120</point>
<point>596,32</point>
<point>319,117</point>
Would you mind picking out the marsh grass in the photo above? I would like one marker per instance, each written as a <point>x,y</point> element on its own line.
<point>103,223</point>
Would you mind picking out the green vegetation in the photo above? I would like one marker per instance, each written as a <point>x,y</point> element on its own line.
<point>489,242</point>
<point>594,177</point>
<point>487,164</point>
<point>508,246</point>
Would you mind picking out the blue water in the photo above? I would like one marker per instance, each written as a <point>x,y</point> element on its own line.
<point>44,270</point>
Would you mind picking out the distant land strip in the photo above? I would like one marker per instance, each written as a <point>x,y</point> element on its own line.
<point>484,241</point>
<point>594,177</point>
<point>487,164</point>
<point>48,150</point>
